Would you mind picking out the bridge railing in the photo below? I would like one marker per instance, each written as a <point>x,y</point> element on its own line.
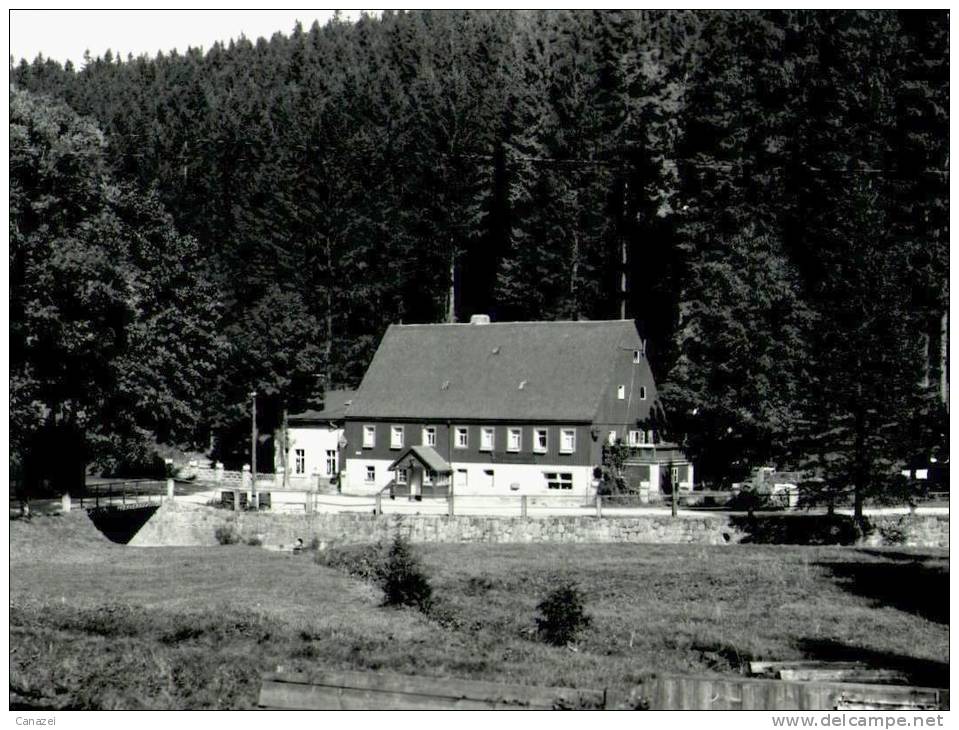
<point>130,492</point>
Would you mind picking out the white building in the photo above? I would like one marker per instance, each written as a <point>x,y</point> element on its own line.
<point>313,441</point>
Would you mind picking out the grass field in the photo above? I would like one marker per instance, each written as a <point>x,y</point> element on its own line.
<point>99,625</point>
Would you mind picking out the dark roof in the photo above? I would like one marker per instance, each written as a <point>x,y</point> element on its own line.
<point>554,371</point>
<point>335,403</point>
<point>427,456</point>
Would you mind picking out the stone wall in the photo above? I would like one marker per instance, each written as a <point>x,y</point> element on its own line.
<point>181,524</point>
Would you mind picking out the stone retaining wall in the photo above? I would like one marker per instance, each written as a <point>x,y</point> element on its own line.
<point>180,524</point>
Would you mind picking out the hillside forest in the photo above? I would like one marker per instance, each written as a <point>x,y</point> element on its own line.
<point>771,186</point>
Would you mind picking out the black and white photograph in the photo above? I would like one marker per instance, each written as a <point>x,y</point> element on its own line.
<point>473,359</point>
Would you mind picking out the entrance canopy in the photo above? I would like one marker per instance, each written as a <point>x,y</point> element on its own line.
<point>425,456</point>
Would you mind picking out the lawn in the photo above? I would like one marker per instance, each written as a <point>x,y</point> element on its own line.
<point>99,625</point>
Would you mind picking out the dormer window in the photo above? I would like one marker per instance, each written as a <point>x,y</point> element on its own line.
<point>621,392</point>
<point>637,356</point>
<point>642,392</point>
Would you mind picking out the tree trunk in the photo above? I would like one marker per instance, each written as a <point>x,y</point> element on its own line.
<point>328,350</point>
<point>451,296</point>
<point>859,471</point>
<point>573,281</point>
<point>944,359</point>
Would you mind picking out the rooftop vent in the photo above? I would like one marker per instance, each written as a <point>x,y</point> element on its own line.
<point>446,385</point>
<point>479,319</point>
<point>522,384</point>
<point>495,350</point>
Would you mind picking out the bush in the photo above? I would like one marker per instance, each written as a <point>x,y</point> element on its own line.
<point>562,615</point>
<point>226,535</point>
<point>361,561</point>
<point>403,581</point>
<point>254,541</point>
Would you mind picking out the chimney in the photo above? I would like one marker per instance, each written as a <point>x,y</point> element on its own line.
<point>479,319</point>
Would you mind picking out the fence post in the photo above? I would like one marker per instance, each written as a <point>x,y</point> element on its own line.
<point>675,499</point>
<point>599,505</point>
<point>65,503</point>
<point>379,503</point>
<point>218,477</point>
<point>169,488</point>
<point>449,503</point>
<point>236,500</point>
<point>523,506</point>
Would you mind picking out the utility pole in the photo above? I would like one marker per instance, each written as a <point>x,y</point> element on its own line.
<point>253,450</point>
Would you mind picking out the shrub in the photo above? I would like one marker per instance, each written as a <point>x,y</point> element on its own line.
<point>254,541</point>
<point>562,615</point>
<point>226,535</point>
<point>403,581</point>
<point>361,561</point>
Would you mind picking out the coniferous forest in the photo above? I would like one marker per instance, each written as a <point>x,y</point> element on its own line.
<point>191,227</point>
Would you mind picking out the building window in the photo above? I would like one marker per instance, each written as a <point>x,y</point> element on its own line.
<point>674,475</point>
<point>401,476</point>
<point>370,474</point>
<point>611,439</point>
<point>515,439</point>
<point>621,392</point>
<point>462,477</point>
<point>488,476</point>
<point>486,439</point>
<point>429,436</point>
<point>650,437</point>
<point>540,440</point>
<point>922,474</point>
<point>567,441</point>
<point>396,437</point>
<point>369,437</point>
<point>427,476</point>
<point>637,438</point>
<point>558,480</point>
<point>462,437</point>
<point>331,462</point>
<point>642,392</point>
<point>299,461</point>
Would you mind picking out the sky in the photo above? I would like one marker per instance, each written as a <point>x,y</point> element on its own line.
<point>65,34</point>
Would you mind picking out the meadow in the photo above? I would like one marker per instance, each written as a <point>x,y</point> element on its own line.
<point>98,625</point>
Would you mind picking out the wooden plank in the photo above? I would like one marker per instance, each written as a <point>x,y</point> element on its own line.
<point>278,695</point>
<point>857,675</point>
<point>450,689</point>
<point>671,692</point>
<point>773,668</point>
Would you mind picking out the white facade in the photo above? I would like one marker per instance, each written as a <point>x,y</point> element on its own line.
<point>479,479</point>
<point>312,453</point>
